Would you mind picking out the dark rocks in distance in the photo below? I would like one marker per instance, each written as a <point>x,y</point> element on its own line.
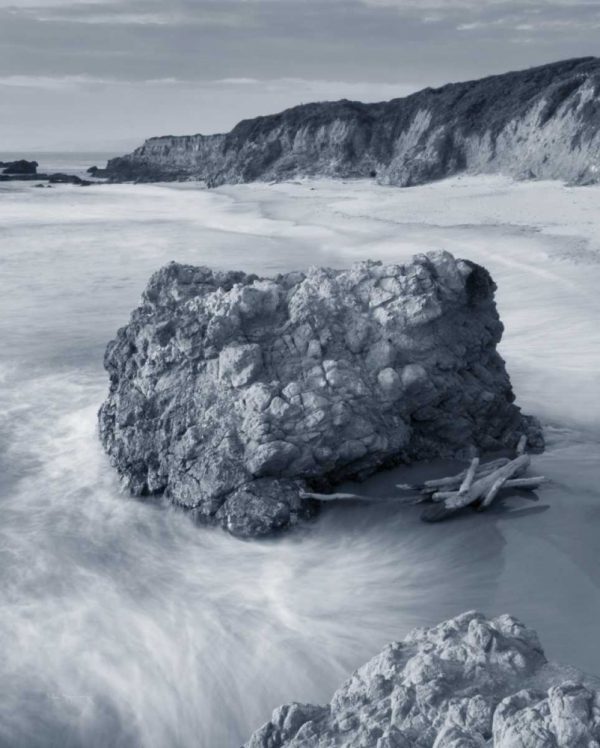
<point>469,682</point>
<point>538,123</point>
<point>230,392</point>
<point>26,171</point>
<point>59,178</point>
<point>21,167</point>
<point>97,173</point>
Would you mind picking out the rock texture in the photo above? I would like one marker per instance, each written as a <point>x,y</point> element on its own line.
<point>543,122</point>
<point>467,683</point>
<point>230,392</point>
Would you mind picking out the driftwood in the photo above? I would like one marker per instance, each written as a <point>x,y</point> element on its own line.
<point>477,485</point>
<point>524,483</point>
<point>340,496</point>
<point>454,481</point>
<point>480,486</point>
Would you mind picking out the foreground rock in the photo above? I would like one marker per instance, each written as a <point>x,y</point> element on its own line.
<point>538,123</point>
<point>467,683</point>
<point>231,392</point>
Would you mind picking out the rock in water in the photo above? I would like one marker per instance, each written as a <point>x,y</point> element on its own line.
<point>229,391</point>
<point>20,167</point>
<point>467,683</point>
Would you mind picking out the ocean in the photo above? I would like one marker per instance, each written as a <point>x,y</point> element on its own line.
<point>123,622</point>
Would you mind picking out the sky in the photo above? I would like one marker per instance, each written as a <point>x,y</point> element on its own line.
<point>106,74</point>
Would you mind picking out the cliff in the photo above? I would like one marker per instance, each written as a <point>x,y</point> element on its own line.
<point>230,393</point>
<point>538,123</point>
<point>467,683</point>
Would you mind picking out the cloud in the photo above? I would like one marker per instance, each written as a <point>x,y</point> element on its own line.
<point>17,5</point>
<point>240,82</point>
<point>322,89</point>
<point>63,83</point>
<point>140,16</point>
<point>358,40</point>
<point>150,66</point>
<point>126,19</point>
<point>86,112</point>
<point>130,12</point>
<point>479,5</point>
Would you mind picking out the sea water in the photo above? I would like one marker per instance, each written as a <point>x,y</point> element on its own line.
<point>122,622</point>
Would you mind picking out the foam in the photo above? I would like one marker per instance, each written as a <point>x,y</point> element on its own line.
<point>124,623</point>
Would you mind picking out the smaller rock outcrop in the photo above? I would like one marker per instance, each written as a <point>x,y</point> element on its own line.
<point>60,178</point>
<point>230,392</point>
<point>469,682</point>
<point>26,171</point>
<point>19,167</point>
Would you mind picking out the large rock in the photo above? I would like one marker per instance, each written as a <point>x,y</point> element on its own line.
<point>542,122</point>
<point>467,683</point>
<point>229,392</point>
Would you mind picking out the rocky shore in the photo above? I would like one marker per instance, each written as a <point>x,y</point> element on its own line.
<point>231,393</point>
<point>468,682</point>
<point>26,171</point>
<point>541,123</point>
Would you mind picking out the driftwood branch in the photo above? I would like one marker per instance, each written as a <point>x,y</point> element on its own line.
<point>340,496</point>
<point>534,482</point>
<point>493,492</point>
<point>469,477</point>
<point>488,481</point>
<point>479,484</point>
<point>525,483</point>
<point>483,486</point>
<point>432,486</point>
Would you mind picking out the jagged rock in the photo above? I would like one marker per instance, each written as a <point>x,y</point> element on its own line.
<point>230,392</point>
<point>224,379</point>
<point>538,123</point>
<point>467,683</point>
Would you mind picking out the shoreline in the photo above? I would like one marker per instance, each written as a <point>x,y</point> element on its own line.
<point>130,575</point>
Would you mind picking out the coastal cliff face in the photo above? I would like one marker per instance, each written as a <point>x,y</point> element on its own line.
<point>469,682</point>
<point>537,123</point>
<point>169,158</point>
<point>230,392</point>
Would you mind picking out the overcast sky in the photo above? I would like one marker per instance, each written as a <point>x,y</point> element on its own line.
<point>105,74</point>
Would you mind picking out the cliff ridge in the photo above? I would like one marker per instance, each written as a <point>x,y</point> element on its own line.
<point>543,122</point>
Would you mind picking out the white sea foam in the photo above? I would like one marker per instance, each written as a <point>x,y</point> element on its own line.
<point>125,624</point>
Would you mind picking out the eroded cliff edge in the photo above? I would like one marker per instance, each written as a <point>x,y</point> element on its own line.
<point>542,122</point>
<point>230,392</point>
<point>469,682</point>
